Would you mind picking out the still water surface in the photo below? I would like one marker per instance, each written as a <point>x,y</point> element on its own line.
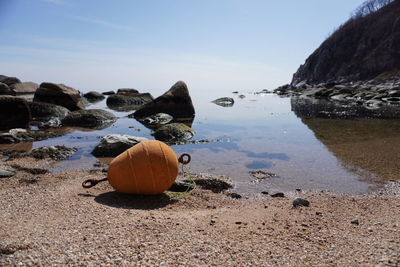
<point>269,133</point>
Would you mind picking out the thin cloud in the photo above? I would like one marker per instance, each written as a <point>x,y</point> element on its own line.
<point>57,2</point>
<point>101,22</point>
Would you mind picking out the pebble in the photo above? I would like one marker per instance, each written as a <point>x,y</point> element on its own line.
<point>300,202</point>
<point>355,221</point>
<point>6,174</point>
<point>278,194</point>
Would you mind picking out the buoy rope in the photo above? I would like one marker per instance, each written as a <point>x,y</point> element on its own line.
<point>188,178</point>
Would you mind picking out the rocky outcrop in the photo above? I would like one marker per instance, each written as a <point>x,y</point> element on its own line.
<point>5,89</point>
<point>90,118</point>
<point>93,96</point>
<point>175,102</point>
<point>40,110</point>
<point>365,47</point>
<point>127,91</point>
<point>114,144</point>
<point>14,113</point>
<point>59,94</point>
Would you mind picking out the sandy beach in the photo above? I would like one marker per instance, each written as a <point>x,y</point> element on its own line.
<point>49,219</point>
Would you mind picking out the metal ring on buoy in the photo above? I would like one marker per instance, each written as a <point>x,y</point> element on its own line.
<point>183,160</point>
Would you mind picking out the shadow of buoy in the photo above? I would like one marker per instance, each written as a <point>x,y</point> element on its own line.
<point>140,202</point>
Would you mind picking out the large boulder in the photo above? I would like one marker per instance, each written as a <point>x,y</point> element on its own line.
<point>24,88</point>
<point>46,110</point>
<point>4,89</point>
<point>93,96</point>
<point>59,94</point>
<point>174,132</point>
<point>90,118</point>
<point>114,144</point>
<point>175,102</point>
<point>9,80</point>
<point>125,102</point>
<point>14,112</point>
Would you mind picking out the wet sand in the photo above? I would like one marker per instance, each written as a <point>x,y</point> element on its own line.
<point>49,219</point>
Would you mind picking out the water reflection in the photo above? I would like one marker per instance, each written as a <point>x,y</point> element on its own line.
<point>363,143</point>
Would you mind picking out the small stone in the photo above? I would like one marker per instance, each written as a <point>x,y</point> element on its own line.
<point>265,193</point>
<point>6,174</point>
<point>238,222</point>
<point>300,202</point>
<point>278,194</point>
<point>234,195</point>
<point>355,221</point>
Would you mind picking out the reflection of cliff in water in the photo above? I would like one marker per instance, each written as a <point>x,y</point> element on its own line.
<point>367,143</point>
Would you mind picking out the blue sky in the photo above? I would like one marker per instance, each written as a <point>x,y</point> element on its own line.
<point>149,44</point>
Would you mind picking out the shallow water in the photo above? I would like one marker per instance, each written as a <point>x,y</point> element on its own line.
<point>269,133</point>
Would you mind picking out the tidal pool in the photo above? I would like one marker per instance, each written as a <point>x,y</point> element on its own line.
<point>347,151</point>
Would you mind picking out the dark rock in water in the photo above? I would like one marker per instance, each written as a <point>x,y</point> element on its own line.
<point>53,152</point>
<point>59,94</point>
<point>90,118</point>
<point>9,80</point>
<point>47,111</point>
<point>24,88</point>
<point>108,93</point>
<point>234,195</point>
<point>114,144</point>
<point>175,102</point>
<point>213,184</point>
<point>181,187</point>
<point>127,91</point>
<point>174,132</point>
<point>278,194</point>
<point>4,89</point>
<point>224,101</point>
<point>22,135</point>
<point>297,202</point>
<point>125,102</point>
<point>155,121</point>
<point>6,174</point>
<point>93,96</point>
<point>14,113</point>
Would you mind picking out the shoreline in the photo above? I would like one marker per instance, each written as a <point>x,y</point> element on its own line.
<point>50,219</point>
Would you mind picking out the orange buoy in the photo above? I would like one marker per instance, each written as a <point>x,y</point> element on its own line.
<point>149,167</point>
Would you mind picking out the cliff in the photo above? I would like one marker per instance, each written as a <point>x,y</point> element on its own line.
<point>365,47</point>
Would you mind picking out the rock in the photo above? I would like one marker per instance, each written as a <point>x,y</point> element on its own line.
<point>297,202</point>
<point>90,118</point>
<point>9,80</point>
<point>155,121</point>
<point>4,89</point>
<point>14,113</point>
<point>6,174</point>
<point>174,132</point>
<point>261,175</point>
<point>93,96</point>
<point>224,101</point>
<point>24,88</point>
<point>278,194</point>
<point>355,221</point>
<point>22,135</point>
<point>234,195</point>
<point>114,144</point>
<point>394,93</point>
<point>59,94</point>
<point>242,96</point>
<point>235,92</point>
<point>53,152</point>
<point>40,110</point>
<point>127,91</point>
<point>179,186</point>
<point>125,102</point>
<point>175,102</point>
<point>108,93</point>
<point>213,184</point>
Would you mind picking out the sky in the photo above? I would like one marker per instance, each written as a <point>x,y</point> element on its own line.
<point>226,45</point>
